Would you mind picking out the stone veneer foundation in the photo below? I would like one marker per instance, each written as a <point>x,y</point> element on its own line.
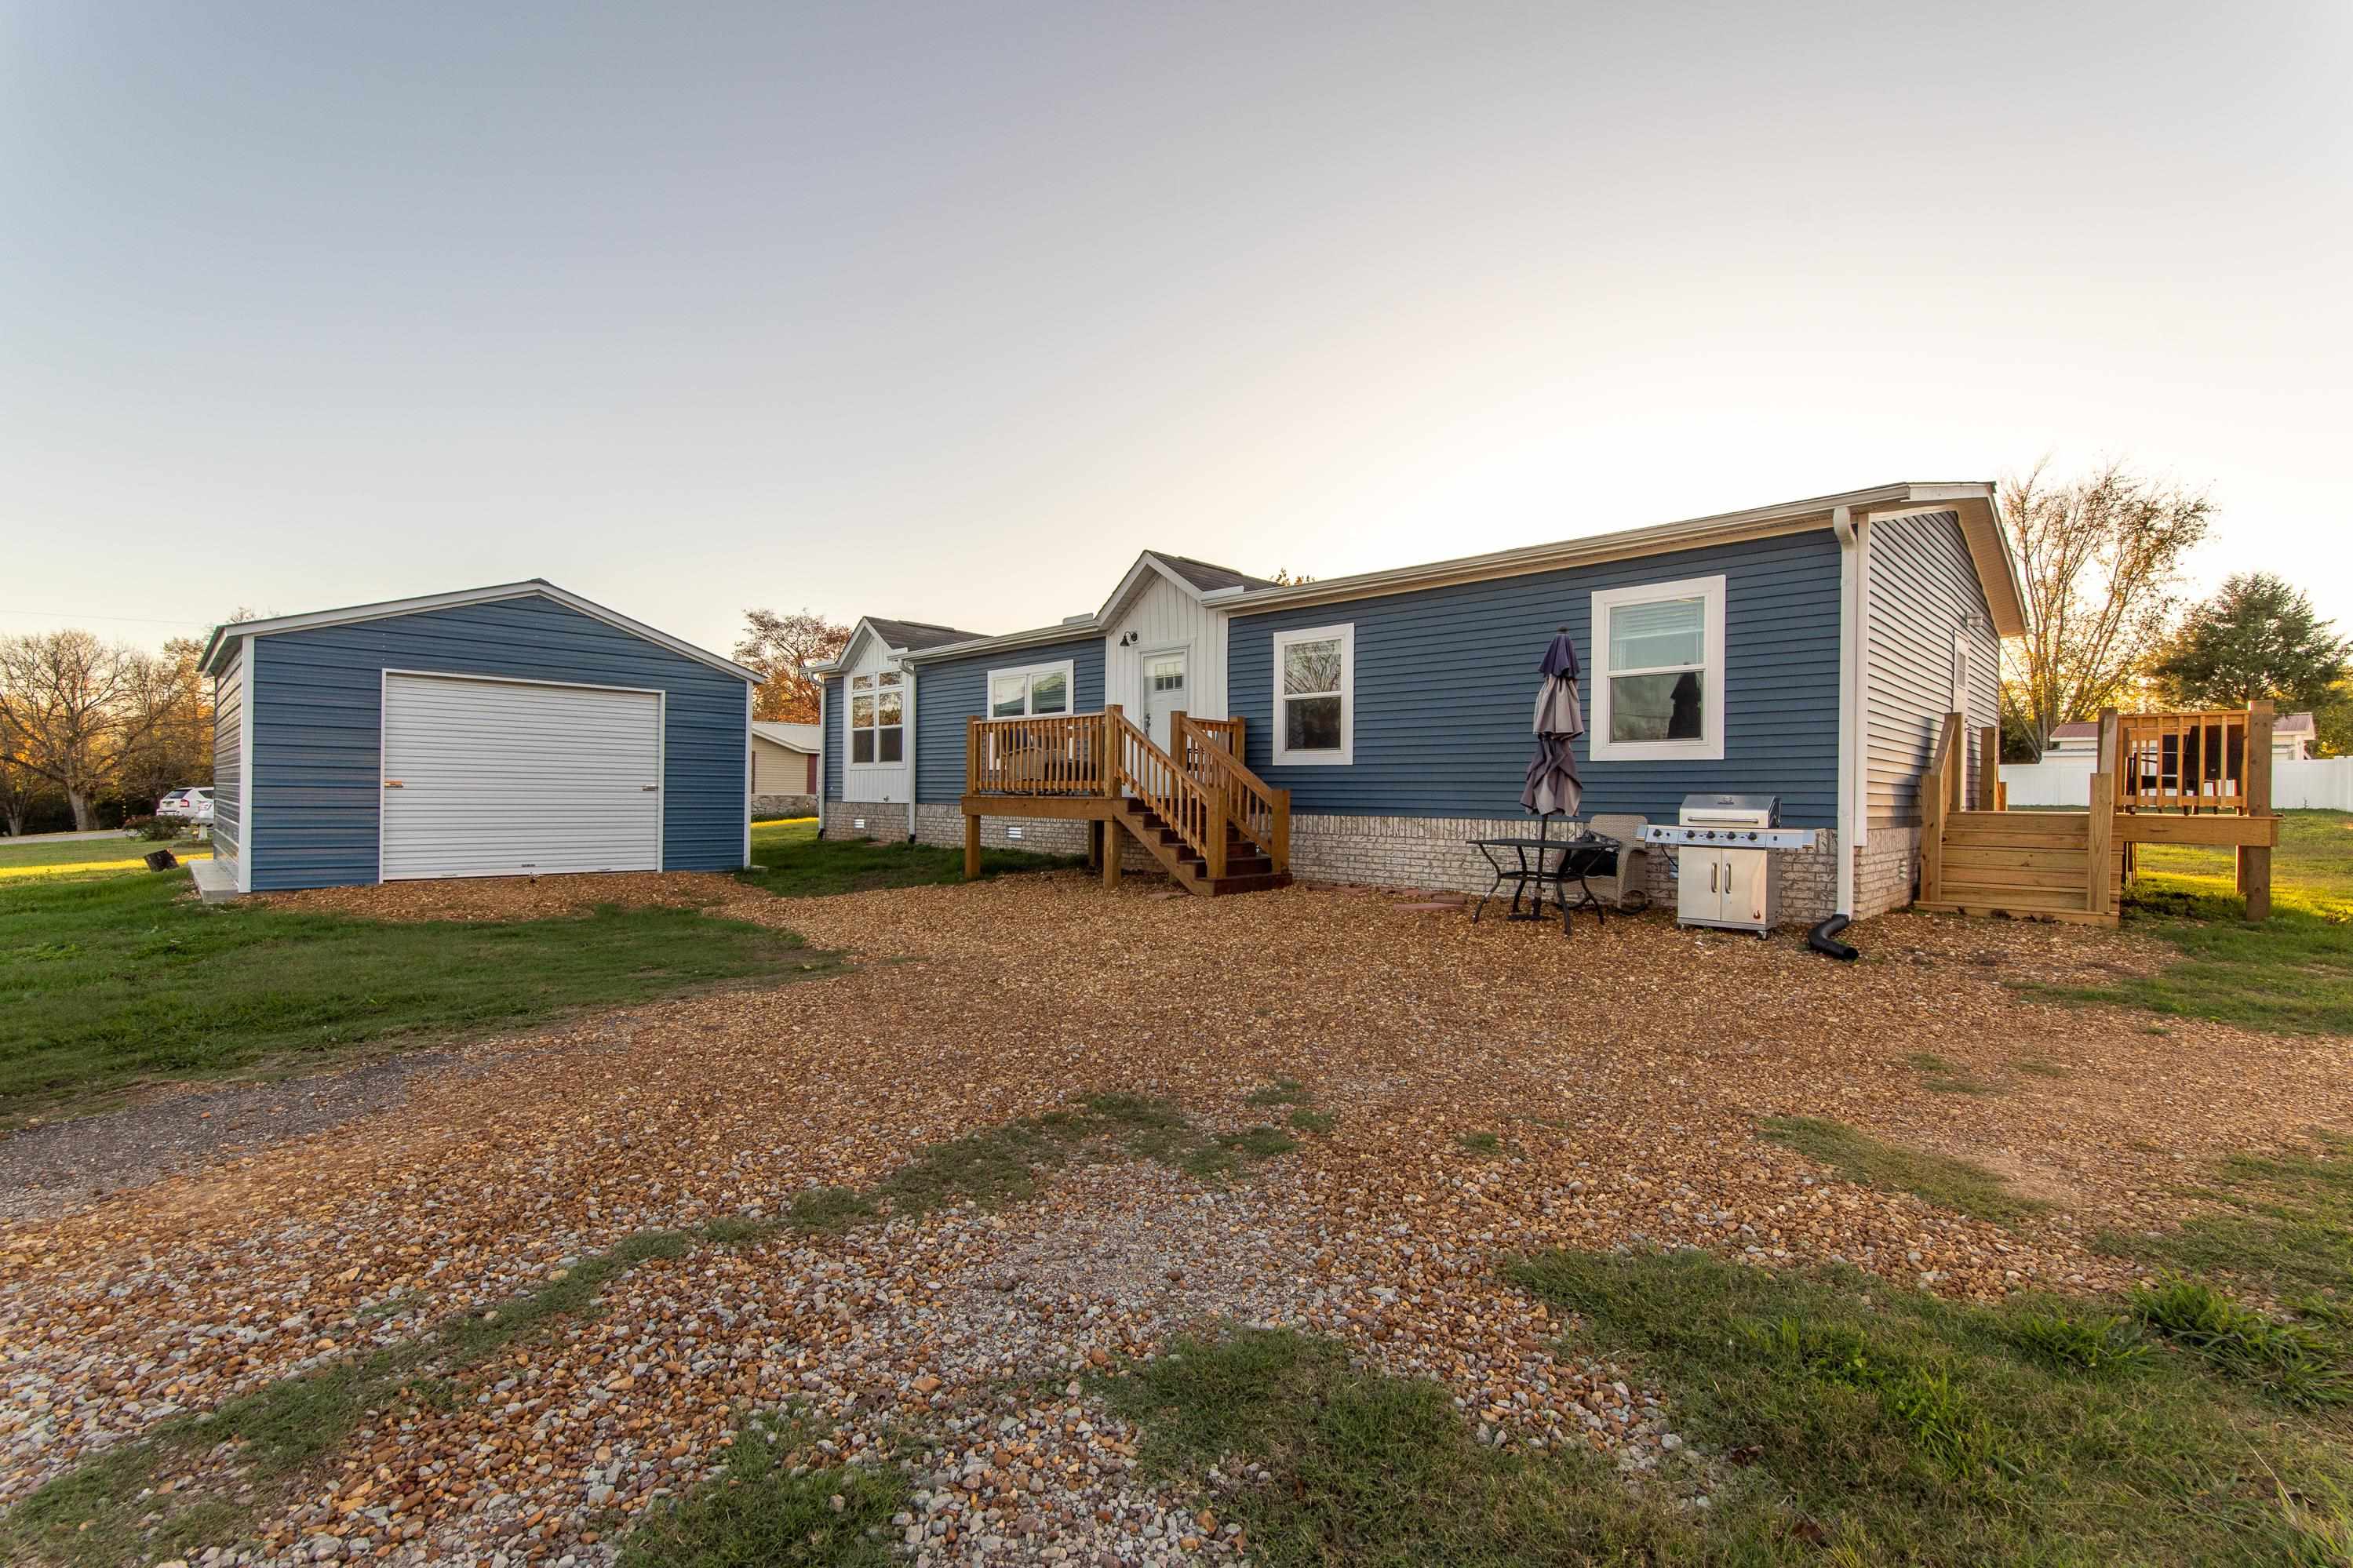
<point>1430,852</point>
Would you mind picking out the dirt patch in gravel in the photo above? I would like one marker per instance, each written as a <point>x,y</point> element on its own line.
<point>48,1168</point>
<point>1493,1091</point>
<point>514,898</point>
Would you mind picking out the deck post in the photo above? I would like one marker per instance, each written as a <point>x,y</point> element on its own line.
<point>971,756</point>
<point>1111,759</point>
<point>2105,759</point>
<point>1177,747</point>
<point>2099,844</point>
<point>1281,830</point>
<point>971,844</point>
<point>1988,768</point>
<point>2255,860</point>
<point>1953,747</point>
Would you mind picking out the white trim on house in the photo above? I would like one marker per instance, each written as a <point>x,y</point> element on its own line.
<point>1708,745</point>
<point>246,815</point>
<point>536,587</point>
<point>1345,754</point>
<point>1981,526</point>
<point>1067,668</point>
<point>748,779</point>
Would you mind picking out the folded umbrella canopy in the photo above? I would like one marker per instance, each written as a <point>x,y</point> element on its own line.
<point>1553,785</point>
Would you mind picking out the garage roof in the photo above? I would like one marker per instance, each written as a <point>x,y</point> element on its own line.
<point>216,649</point>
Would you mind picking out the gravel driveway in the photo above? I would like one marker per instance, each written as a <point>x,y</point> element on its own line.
<point>1493,1089</point>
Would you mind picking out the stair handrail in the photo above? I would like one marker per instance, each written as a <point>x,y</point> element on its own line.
<point>1179,798</point>
<point>1258,810</point>
<point>1940,792</point>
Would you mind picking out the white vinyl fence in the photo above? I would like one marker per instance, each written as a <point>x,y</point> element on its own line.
<point>2323,783</point>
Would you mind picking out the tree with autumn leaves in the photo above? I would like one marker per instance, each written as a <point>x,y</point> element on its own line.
<point>782,648</point>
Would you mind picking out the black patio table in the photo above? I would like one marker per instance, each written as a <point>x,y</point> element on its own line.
<point>1527,865</point>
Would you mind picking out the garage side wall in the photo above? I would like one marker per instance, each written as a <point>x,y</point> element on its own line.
<point>318,723</point>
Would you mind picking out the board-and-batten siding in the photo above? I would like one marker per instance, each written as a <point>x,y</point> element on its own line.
<point>948,694</point>
<point>1446,681</point>
<point>229,739</point>
<point>1162,616</point>
<point>318,720</point>
<point>1923,587</point>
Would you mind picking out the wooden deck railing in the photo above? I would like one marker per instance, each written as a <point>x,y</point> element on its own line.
<point>1058,755</point>
<point>2187,761</point>
<point>1261,812</point>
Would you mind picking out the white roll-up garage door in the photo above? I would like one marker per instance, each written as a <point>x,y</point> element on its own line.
<point>493,778</point>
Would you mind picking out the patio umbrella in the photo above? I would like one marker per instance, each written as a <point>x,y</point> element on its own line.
<point>1553,785</point>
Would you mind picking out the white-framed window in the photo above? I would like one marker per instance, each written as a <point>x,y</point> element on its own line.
<point>1033,690</point>
<point>878,718</point>
<point>1961,672</point>
<point>1315,696</point>
<point>1658,671</point>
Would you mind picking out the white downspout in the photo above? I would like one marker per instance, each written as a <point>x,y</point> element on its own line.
<point>1853,804</point>
<point>823,740</point>
<point>907,685</point>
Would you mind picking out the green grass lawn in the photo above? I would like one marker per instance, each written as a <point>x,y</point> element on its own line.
<point>2292,973</point>
<point>109,980</point>
<point>25,854</point>
<point>789,861</point>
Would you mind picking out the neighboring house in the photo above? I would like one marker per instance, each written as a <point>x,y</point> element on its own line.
<point>1808,650</point>
<point>511,731</point>
<point>784,764</point>
<point>2292,737</point>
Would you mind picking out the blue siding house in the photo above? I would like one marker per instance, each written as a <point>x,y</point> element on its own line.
<point>1806,650</point>
<point>511,731</point>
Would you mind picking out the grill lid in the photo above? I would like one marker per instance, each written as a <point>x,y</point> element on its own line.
<point>1749,810</point>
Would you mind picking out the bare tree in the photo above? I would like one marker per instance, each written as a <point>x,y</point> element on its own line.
<point>18,791</point>
<point>2102,559</point>
<point>170,701</point>
<point>782,648</point>
<point>71,708</point>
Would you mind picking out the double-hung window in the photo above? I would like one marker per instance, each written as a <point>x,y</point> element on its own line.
<point>878,718</point>
<point>1658,671</point>
<point>1315,694</point>
<point>1032,692</point>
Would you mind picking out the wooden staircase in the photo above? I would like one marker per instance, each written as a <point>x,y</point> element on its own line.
<point>2036,865</point>
<point>1249,870</point>
<point>1215,827</point>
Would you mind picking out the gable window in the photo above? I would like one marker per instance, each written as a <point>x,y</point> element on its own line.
<point>1658,671</point>
<point>1314,694</point>
<point>1036,691</point>
<point>878,718</point>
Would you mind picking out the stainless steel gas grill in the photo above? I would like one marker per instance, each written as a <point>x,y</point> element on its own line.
<point>1726,873</point>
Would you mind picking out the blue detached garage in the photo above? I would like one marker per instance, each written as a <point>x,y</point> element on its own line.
<point>514,731</point>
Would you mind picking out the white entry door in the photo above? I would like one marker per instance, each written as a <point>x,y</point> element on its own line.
<point>1164,690</point>
<point>495,778</point>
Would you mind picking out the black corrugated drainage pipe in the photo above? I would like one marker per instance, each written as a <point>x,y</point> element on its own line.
<point>1823,938</point>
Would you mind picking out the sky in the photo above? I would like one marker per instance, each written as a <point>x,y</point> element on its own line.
<point>944,311</point>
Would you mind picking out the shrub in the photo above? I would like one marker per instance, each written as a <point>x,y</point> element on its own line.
<point>156,830</point>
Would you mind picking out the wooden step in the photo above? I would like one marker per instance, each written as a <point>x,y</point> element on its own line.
<point>2070,860</point>
<point>1990,876</point>
<point>2058,822</point>
<point>1984,911</point>
<point>2008,896</point>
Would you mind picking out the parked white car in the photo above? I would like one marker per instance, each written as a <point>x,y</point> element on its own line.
<point>192,805</point>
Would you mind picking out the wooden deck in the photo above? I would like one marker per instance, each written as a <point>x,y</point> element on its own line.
<point>2162,778</point>
<point>1215,827</point>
